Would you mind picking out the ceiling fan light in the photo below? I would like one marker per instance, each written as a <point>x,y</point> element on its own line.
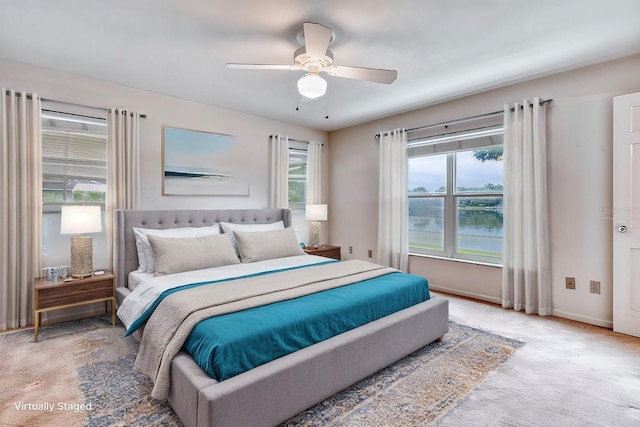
<point>312,86</point>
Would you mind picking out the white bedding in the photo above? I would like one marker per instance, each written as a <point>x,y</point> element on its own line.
<point>136,277</point>
<point>152,286</point>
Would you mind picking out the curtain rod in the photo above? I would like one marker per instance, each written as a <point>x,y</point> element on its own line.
<point>73,114</point>
<point>142,116</point>
<point>466,119</point>
<point>454,133</point>
<point>295,140</point>
<point>30,96</point>
<point>8,92</point>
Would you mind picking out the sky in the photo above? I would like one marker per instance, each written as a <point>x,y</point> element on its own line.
<point>430,172</point>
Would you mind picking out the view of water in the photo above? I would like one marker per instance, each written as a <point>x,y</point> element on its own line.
<point>479,232</point>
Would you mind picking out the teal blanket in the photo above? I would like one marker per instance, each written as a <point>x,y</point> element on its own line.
<point>229,344</point>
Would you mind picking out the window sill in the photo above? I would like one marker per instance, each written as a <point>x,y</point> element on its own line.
<point>465,261</point>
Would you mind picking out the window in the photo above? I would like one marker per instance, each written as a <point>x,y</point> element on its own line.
<point>297,175</point>
<point>74,171</point>
<point>455,195</point>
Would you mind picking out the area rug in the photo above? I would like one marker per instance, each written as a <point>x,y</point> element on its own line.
<point>81,374</point>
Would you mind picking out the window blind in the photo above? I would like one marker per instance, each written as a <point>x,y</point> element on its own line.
<point>461,141</point>
<point>74,154</point>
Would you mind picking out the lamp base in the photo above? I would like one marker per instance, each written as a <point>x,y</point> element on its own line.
<point>314,234</point>
<point>81,256</point>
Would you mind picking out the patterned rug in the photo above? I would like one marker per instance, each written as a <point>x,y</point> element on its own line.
<point>81,374</point>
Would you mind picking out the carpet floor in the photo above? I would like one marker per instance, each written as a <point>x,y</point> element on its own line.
<point>80,374</point>
<point>568,374</point>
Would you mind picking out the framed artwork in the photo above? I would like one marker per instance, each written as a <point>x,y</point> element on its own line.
<point>201,163</point>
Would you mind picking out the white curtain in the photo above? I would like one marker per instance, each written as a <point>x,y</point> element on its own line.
<point>526,283</point>
<point>314,173</point>
<point>123,165</point>
<point>279,172</point>
<point>393,246</point>
<point>20,206</point>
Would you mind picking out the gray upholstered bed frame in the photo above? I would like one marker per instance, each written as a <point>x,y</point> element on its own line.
<point>276,391</point>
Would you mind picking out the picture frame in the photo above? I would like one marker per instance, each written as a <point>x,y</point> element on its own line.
<point>196,162</point>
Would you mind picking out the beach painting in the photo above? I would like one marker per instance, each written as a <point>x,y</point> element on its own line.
<point>201,163</point>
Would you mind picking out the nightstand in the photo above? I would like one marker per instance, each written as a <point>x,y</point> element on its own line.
<point>325,251</point>
<point>55,296</point>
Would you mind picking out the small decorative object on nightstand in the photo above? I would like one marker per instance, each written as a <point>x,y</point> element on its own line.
<point>89,290</point>
<point>325,251</point>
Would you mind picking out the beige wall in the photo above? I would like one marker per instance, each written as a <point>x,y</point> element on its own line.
<point>580,185</point>
<point>250,132</point>
<point>579,166</point>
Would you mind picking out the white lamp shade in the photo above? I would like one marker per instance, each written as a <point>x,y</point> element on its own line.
<point>316,213</point>
<point>312,86</point>
<point>80,219</point>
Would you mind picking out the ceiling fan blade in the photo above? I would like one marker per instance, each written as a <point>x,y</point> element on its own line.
<point>316,40</point>
<point>375,75</point>
<point>261,67</point>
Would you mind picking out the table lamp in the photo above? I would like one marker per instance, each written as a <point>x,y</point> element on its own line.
<point>79,220</point>
<point>315,213</point>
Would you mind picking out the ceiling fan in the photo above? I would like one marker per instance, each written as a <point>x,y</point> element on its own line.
<point>315,58</point>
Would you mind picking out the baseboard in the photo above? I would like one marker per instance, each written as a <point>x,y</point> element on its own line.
<point>472,295</point>
<point>584,319</point>
<point>558,313</point>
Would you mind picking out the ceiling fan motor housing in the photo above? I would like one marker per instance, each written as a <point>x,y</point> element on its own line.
<point>301,58</point>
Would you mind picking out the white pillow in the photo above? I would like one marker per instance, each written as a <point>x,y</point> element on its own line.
<point>146,262</point>
<point>178,254</point>
<point>229,227</point>
<point>263,245</point>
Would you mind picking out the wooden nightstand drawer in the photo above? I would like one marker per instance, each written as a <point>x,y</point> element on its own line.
<point>54,296</point>
<point>325,251</point>
<point>73,292</point>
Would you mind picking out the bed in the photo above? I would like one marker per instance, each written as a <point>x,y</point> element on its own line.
<point>279,389</point>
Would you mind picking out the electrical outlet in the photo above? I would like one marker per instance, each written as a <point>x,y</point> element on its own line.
<point>350,249</point>
<point>594,287</point>
<point>570,282</point>
<point>370,253</point>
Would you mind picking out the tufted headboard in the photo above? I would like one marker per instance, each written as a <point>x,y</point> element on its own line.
<point>125,243</point>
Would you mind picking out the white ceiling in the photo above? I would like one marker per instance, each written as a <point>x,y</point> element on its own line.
<point>441,49</point>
